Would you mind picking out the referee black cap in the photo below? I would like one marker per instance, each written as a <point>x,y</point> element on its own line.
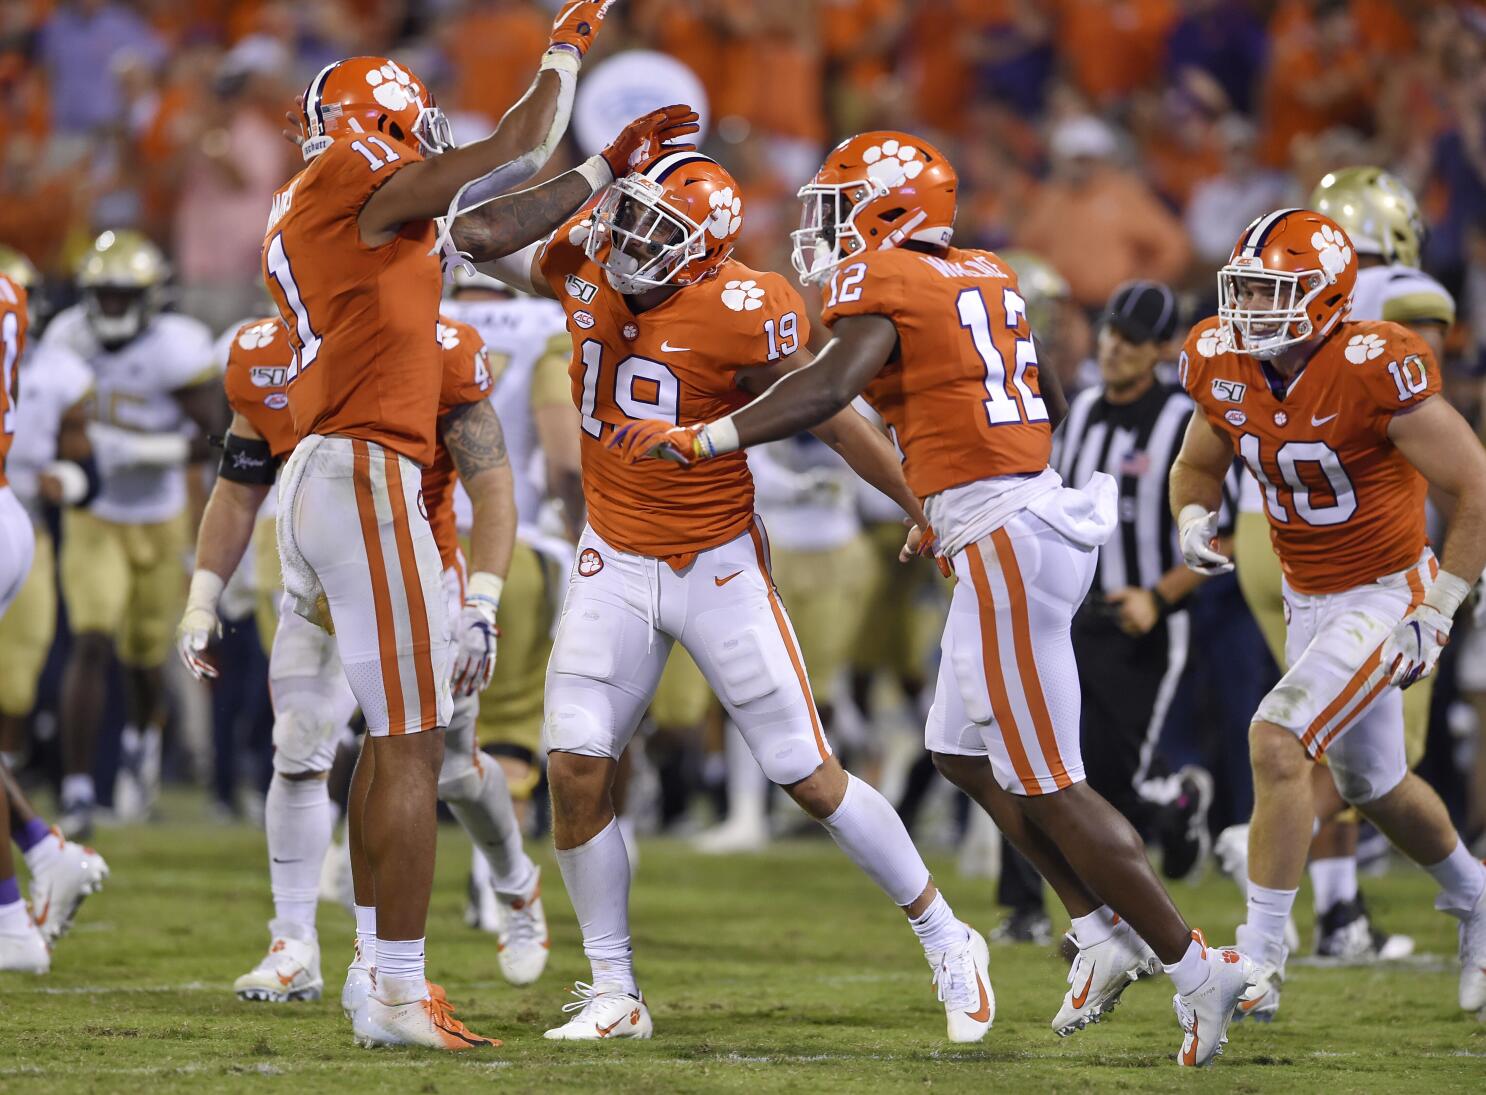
<point>1143,311</point>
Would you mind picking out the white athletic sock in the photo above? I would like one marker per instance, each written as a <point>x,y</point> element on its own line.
<point>78,789</point>
<point>1095,927</point>
<point>366,932</point>
<point>873,836</point>
<point>1333,881</point>
<point>14,918</point>
<point>938,929</point>
<point>43,853</point>
<point>1189,974</point>
<point>596,875</point>
<point>299,820</point>
<point>1262,935</point>
<point>400,976</point>
<point>490,819</point>
<point>1461,877</point>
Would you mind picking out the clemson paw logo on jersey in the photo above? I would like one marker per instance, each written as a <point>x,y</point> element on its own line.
<point>1362,348</point>
<point>257,336</point>
<point>392,87</point>
<point>590,562</point>
<point>891,163</point>
<point>727,212</point>
<point>743,296</point>
<point>1334,250</point>
<point>1212,342</point>
<point>448,336</point>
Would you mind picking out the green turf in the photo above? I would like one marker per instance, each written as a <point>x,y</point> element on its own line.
<point>778,972</point>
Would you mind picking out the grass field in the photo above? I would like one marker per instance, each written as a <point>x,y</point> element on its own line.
<point>778,972</point>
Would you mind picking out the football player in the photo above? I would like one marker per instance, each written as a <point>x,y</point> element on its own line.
<point>668,327</point>
<point>1344,428</point>
<point>1386,228</point>
<point>351,258</point>
<point>156,401</point>
<point>936,338</point>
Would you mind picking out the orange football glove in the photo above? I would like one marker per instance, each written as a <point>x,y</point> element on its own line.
<point>651,437</point>
<point>577,25</point>
<point>650,134</point>
<point>921,540</point>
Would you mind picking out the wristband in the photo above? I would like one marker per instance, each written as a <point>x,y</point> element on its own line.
<point>716,438</point>
<point>562,57</point>
<point>1447,594</point>
<point>596,173</point>
<point>484,586</point>
<point>206,591</point>
<point>74,480</point>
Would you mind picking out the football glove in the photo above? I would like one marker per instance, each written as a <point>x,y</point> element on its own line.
<point>475,635</point>
<point>199,624</point>
<point>651,437</point>
<point>577,25</point>
<point>921,541</point>
<point>648,135</point>
<point>1413,648</point>
<point>1198,533</point>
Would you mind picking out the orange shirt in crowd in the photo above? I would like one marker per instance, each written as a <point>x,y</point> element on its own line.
<point>494,49</point>
<point>1112,47</point>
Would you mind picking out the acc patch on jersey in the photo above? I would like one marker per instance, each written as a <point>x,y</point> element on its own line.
<point>1236,417</point>
<point>583,319</point>
<point>590,562</point>
<point>276,402</point>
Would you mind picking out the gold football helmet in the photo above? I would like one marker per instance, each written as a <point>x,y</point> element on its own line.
<point>1041,286</point>
<point>18,268</point>
<point>122,279</point>
<point>1376,210</point>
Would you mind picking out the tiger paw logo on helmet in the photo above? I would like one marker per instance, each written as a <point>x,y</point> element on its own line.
<point>392,86</point>
<point>1333,248</point>
<point>1362,348</point>
<point>727,212</point>
<point>743,296</point>
<point>257,336</point>
<point>892,163</point>
<point>448,336</point>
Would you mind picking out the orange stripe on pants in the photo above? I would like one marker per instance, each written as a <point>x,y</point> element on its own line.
<point>1026,660</point>
<point>784,633</point>
<point>366,510</point>
<point>428,710</point>
<point>990,653</point>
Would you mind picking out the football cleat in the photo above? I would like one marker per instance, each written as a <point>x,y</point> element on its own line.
<point>1204,1015</point>
<point>24,951</point>
<point>524,942</point>
<point>1100,974</point>
<point>76,819</point>
<point>962,978</point>
<point>1473,957</point>
<point>1346,931</point>
<point>735,835</point>
<point>427,1022</point>
<point>1024,926</point>
<point>603,1011</point>
<point>1186,844</point>
<point>1261,1001</point>
<point>358,984</point>
<point>289,971</point>
<point>59,889</point>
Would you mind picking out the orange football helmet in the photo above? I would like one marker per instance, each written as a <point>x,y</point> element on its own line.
<point>671,221</point>
<point>875,190</point>
<point>1289,280</point>
<point>371,95</point>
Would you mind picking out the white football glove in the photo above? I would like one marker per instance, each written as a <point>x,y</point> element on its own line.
<point>1413,648</point>
<point>475,635</point>
<point>1199,528</point>
<point>199,624</point>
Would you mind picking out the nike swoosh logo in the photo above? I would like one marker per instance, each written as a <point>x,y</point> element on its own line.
<point>605,1031</point>
<point>276,859</point>
<point>1083,996</point>
<point>666,347</point>
<point>1189,1052</point>
<point>1322,421</point>
<point>729,578</point>
<point>981,1014</point>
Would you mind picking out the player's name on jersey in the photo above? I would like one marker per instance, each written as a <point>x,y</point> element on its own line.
<point>977,266</point>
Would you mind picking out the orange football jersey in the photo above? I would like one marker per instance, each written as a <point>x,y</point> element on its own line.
<point>13,322</point>
<point>257,382</point>
<point>1345,508</point>
<point>360,318</point>
<point>676,362</point>
<point>961,392</point>
<point>465,379</point>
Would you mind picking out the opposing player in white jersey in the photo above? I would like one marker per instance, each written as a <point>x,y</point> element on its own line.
<point>1386,227</point>
<point>122,571</point>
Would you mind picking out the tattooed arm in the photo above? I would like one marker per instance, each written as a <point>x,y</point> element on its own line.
<point>472,434</point>
<point>513,221</point>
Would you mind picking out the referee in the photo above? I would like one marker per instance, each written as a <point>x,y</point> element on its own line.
<point>1131,636</point>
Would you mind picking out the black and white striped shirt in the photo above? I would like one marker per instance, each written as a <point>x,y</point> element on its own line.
<point>1135,443</point>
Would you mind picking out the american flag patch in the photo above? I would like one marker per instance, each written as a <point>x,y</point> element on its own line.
<point>1135,463</point>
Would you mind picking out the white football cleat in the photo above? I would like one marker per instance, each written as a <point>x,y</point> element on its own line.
<point>1100,974</point>
<point>1261,1001</point>
<point>59,889</point>
<point>358,984</point>
<point>1473,957</point>
<point>24,951</point>
<point>604,1011</point>
<point>1205,1014</point>
<point>962,978</point>
<point>427,1022</point>
<point>736,835</point>
<point>289,971</point>
<point>335,875</point>
<point>524,942</point>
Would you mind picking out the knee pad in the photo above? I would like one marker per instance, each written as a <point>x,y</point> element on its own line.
<point>304,736</point>
<point>1365,769</point>
<point>461,776</point>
